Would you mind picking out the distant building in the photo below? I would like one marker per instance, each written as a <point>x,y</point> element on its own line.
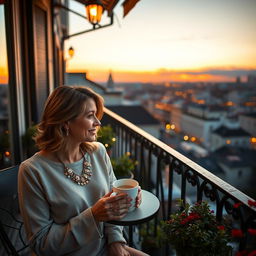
<point>139,116</point>
<point>251,79</point>
<point>224,136</point>
<point>110,82</point>
<point>176,116</point>
<point>238,165</point>
<point>111,96</point>
<point>248,123</point>
<point>200,120</point>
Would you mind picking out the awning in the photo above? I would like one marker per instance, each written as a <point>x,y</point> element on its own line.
<point>128,5</point>
<point>109,5</point>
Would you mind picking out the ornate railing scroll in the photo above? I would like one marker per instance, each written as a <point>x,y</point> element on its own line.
<point>164,171</point>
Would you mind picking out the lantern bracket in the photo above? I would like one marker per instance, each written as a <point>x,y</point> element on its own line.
<point>94,26</point>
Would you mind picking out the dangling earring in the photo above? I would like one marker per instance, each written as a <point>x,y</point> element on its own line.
<point>67,132</point>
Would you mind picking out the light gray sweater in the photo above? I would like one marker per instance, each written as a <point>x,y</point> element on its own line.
<point>57,212</point>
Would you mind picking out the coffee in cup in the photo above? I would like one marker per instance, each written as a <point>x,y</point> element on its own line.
<point>128,186</point>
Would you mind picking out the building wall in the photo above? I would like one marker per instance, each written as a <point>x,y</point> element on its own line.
<point>176,117</point>
<point>200,128</point>
<point>204,112</point>
<point>154,130</point>
<point>112,100</point>
<point>248,124</point>
<point>237,176</point>
<point>218,141</point>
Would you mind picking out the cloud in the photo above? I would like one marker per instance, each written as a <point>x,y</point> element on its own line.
<point>226,71</point>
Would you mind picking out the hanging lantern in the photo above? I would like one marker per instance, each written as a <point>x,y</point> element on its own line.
<point>71,51</point>
<point>94,10</point>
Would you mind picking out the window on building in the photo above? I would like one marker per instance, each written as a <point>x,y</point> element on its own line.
<point>5,131</point>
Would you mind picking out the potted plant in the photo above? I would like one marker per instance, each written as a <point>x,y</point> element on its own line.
<point>106,136</point>
<point>194,231</point>
<point>123,166</point>
<point>28,141</point>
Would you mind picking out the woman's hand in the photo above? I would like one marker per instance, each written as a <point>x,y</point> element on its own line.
<point>138,198</point>
<point>117,249</point>
<point>111,207</point>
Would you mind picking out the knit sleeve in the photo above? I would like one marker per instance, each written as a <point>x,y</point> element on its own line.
<point>113,233</point>
<point>45,236</point>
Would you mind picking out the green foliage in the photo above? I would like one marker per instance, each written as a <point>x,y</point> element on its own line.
<point>124,165</point>
<point>195,229</point>
<point>28,141</point>
<point>106,136</point>
<point>150,240</point>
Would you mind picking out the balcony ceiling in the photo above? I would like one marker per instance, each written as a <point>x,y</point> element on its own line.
<point>109,5</point>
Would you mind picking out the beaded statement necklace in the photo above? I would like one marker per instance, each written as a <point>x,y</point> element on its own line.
<point>85,176</point>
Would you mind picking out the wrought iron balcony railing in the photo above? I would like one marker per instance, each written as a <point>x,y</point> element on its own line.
<point>169,175</point>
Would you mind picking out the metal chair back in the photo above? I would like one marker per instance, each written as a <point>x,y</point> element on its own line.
<point>12,234</point>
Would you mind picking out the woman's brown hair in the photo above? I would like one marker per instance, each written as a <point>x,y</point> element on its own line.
<point>65,103</point>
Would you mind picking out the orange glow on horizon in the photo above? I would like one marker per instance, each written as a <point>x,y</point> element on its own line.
<point>158,76</point>
<point>4,75</point>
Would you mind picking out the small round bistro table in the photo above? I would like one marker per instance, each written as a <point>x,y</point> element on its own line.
<point>148,208</point>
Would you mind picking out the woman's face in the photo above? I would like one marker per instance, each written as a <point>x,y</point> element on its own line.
<point>84,127</point>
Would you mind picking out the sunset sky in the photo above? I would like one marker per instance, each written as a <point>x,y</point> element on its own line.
<point>170,40</point>
<point>164,41</point>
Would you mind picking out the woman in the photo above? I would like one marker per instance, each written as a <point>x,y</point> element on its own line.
<point>64,189</point>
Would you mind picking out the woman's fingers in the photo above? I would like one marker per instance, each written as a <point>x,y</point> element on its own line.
<point>111,207</point>
<point>118,206</point>
<point>138,198</point>
<point>108,194</point>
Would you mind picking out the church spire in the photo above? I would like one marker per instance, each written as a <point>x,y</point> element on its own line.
<point>110,83</point>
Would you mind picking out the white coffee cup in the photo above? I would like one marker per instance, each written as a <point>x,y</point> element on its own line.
<point>128,186</point>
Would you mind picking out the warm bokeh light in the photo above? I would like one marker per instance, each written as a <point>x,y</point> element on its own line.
<point>186,137</point>
<point>173,126</point>
<point>167,126</point>
<point>253,140</point>
<point>228,142</point>
<point>193,139</point>
<point>7,153</point>
<point>71,51</point>
<point>229,103</point>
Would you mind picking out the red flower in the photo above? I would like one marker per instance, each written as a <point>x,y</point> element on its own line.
<point>237,205</point>
<point>183,222</point>
<point>241,253</point>
<point>252,203</point>
<point>192,216</point>
<point>221,227</point>
<point>252,231</point>
<point>253,253</point>
<point>237,233</point>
